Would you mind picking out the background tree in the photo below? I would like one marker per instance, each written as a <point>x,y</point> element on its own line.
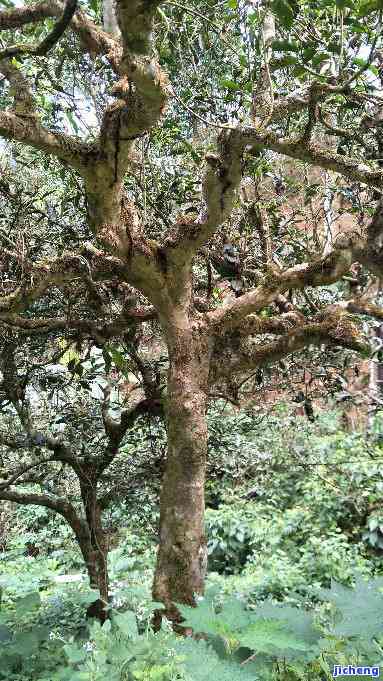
<point>235,85</point>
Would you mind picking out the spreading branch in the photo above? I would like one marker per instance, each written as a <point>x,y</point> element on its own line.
<point>331,327</point>
<point>41,276</point>
<point>254,139</point>
<point>49,41</point>
<point>93,38</point>
<point>326,270</point>
<point>101,333</point>
<point>58,504</point>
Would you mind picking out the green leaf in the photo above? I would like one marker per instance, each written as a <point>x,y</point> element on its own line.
<point>229,620</point>
<point>74,654</point>
<point>127,623</point>
<point>341,4</point>
<point>5,634</point>
<point>320,57</point>
<point>334,47</point>
<point>369,6</point>
<point>107,358</point>
<point>72,120</point>
<point>106,627</point>
<point>118,358</point>
<point>285,46</point>
<point>300,633</point>
<point>373,523</point>
<point>360,608</point>
<point>229,84</point>
<point>201,663</point>
<point>32,600</point>
<point>288,60</point>
<point>308,53</point>
<point>363,62</point>
<point>26,644</point>
<point>272,637</point>
<point>285,10</point>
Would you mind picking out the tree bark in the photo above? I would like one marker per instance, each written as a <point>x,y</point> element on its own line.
<point>182,554</point>
<point>376,381</point>
<point>95,546</point>
<point>109,17</point>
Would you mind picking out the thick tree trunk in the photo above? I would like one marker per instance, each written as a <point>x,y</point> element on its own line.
<point>182,554</point>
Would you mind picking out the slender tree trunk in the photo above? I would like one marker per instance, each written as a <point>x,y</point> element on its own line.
<point>94,550</point>
<point>95,546</point>
<point>376,381</point>
<point>182,554</point>
<point>109,17</point>
<point>97,565</point>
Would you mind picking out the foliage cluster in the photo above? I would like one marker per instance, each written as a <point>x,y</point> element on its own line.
<point>232,639</point>
<point>295,503</point>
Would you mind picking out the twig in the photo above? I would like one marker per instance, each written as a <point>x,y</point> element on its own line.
<point>51,39</point>
<point>203,120</point>
<point>211,23</point>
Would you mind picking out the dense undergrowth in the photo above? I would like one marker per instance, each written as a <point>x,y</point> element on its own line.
<point>295,536</point>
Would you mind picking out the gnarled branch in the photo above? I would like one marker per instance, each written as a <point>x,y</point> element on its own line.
<point>254,139</point>
<point>331,327</point>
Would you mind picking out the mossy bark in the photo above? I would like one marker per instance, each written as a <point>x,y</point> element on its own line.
<point>181,562</point>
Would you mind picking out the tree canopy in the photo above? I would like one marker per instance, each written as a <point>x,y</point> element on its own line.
<point>189,195</point>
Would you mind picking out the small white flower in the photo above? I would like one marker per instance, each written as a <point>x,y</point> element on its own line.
<point>89,646</point>
<point>118,602</point>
